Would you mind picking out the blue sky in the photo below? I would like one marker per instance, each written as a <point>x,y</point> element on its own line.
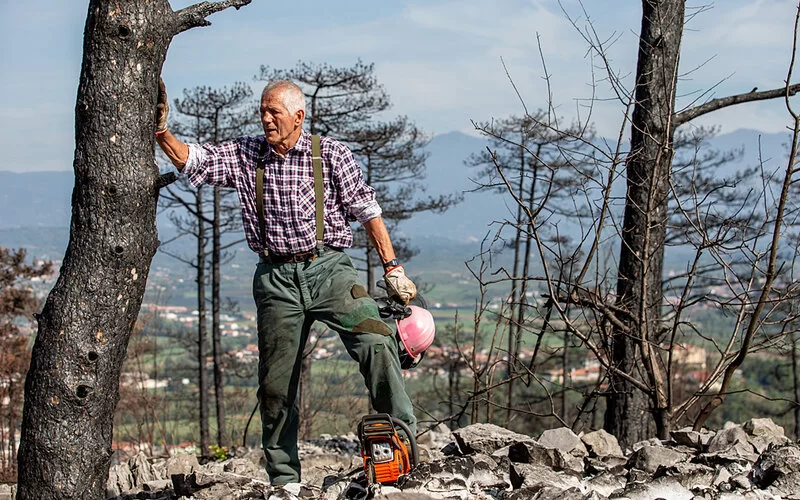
<point>440,60</point>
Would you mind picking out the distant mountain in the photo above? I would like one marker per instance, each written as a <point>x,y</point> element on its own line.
<point>42,199</point>
<point>35,199</point>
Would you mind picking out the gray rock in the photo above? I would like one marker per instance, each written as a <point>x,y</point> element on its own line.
<point>7,491</point>
<point>489,473</point>
<point>761,443</point>
<point>436,438</point>
<point>245,467</point>
<point>778,471</point>
<point>433,441</point>
<point>650,458</point>
<point>638,476</point>
<point>748,495</point>
<point>530,452</point>
<point>692,476</point>
<point>204,485</point>
<point>740,452</point>
<point>182,463</point>
<point>726,438</point>
<point>662,487</point>
<point>691,438</point>
<point>736,468</point>
<point>649,442</point>
<point>520,468</point>
<point>157,485</point>
<point>615,465</point>
<point>451,474</point>
<point>536,476</point>
<point>315,468</point>
<point>389,493</point>
<point>601,444</point>
<point>563,439</point>
<point>214,467</point>
<point>159,468</point>
<point>546,493</point>
<point>607,484</point>
<point>568,463</point>
<point>256,456</point>
<point>721,477</point>
<point>486,438</point>
<point>217,491</point>
<point>763,427</point>
<point>741,482</point>
<point>120,480</point>
<point>141,469</point>
<point>240,451</point>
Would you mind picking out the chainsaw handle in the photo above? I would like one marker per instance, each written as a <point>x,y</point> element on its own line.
<point>388,307</point>
<point>411,438</point>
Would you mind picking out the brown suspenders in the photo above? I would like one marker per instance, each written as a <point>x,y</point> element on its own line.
<point>319,191</point>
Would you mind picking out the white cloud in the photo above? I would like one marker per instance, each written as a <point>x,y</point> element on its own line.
<point>440,60</point>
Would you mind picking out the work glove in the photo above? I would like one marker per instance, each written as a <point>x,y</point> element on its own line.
<point>398,285</point>
<point>162,108</point>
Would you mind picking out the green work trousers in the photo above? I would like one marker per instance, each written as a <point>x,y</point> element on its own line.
<point>289,298</point>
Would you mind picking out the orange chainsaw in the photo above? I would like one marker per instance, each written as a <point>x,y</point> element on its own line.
<point>386,455</point>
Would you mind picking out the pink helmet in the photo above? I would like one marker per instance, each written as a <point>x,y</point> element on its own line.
<point>416,333</point>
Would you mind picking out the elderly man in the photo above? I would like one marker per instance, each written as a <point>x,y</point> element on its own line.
<point>302,275</point>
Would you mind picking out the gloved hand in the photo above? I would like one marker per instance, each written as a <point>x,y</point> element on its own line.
<point>162,108</point>
<point>398,285</point>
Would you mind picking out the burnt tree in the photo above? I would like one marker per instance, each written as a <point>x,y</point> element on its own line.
<point>208,115</point>
<point>72,386</point>
<point>638,395</point>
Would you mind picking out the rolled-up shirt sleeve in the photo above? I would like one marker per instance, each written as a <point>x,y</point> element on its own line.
<point>358,197</point>
<point>213,164</point>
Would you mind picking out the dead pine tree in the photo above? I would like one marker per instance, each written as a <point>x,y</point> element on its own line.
<point>73,382</point>
<point>641,257</point>
<point>17,304</point>
<point>392,156</point>
<point>209,115</point>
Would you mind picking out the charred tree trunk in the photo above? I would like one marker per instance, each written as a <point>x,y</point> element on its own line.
<point>795,388</point>
<point>514,328</point>
<point>630,408</point>
<point>202,326</point>
<point>219,383</point>
<point>73,383</point>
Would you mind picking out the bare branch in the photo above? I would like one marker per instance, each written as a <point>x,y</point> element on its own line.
<point>723,102</point>
<point>195,15</point>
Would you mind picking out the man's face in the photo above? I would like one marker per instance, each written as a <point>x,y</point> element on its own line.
<point>279,125</point>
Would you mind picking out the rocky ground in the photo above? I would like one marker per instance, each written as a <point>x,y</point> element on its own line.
<point>482,461</point>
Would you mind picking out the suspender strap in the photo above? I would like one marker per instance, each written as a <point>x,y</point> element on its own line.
<point>319,192</point>
<point>319,189</point>
<point>262,233</point>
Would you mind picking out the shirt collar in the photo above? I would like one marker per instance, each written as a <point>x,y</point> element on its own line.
<point>303,144</point>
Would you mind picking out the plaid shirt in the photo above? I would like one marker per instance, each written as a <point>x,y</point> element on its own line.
<point>289,205</point>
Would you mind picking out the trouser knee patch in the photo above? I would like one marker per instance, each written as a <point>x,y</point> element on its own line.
<point>373,326</point>
<point>358,292</point>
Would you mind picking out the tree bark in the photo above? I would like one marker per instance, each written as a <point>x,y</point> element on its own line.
<point>73,383</point>
<point>202,326</point>
<point>795,388</point>
<point>644,225</point>
<point>514,328</point>
<point>216,334</point>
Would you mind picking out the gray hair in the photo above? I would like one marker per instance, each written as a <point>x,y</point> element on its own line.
<point>293,97</point>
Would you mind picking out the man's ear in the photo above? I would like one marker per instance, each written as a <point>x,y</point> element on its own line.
<point>299,116</point>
